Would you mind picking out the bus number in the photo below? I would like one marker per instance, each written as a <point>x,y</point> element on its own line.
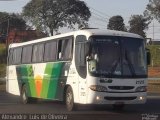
<point>140,82</point>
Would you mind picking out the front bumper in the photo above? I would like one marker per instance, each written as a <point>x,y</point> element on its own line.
<point>116,98</point>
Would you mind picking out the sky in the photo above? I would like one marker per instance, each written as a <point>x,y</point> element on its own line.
<point>101,11</point>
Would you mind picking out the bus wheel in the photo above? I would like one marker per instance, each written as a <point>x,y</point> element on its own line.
<point>69,99</point>
<point>118,107</point>
<point>24,97</point>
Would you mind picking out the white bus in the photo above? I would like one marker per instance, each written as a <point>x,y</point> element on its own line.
<point>89,66</point>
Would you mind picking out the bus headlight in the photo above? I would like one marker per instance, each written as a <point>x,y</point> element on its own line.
<point>98,88</point>
<point>141,89</point>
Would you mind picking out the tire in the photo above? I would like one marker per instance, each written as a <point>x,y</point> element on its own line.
<point>69,99</point>
<point>118,107</point>
<point>24,97</point>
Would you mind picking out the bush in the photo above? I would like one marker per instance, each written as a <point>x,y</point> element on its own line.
<point>3,57</point>
<point>3,60</point>
<point>2,70</point>
<point>155,55</point>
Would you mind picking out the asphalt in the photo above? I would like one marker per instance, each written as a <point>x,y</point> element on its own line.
<point>10,104</point>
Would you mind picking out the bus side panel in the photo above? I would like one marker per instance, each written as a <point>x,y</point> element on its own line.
<point>44,80</point>
<point>12,82</point>
<point>51,80</point>
<point>25,77</point>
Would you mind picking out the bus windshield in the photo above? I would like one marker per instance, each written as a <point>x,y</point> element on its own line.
<point>118,56</point>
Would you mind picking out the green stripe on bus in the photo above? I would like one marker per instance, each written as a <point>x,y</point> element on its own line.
<point>22,73</point>
<point>55,76</point>
<point>46,80</point>
<point>50,81</point>
<point>31,81</point>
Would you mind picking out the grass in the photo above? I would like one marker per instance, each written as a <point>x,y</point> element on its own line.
<point>2,60</point>
<point>2,70</point>
<point>2,46</point>
<point>155,55</point>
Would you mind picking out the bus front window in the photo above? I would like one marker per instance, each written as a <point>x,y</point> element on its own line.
<point>117,57</point>
<point>107,50</point>
<point>134,53</point>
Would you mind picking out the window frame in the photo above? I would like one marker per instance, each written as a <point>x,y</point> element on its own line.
<point>10,57</point>
<point>42,53</point>
<point>13,54</point>
<point>56,41</point>
<point>31,54</point>
<point>60,50</point>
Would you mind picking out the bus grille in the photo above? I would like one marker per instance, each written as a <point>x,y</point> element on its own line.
<point>121,87</point>
<point>120,98</point>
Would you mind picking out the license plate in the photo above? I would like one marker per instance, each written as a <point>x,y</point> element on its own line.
<point>119,103</point>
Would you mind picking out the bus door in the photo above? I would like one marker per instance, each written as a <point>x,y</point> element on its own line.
<point>80,62</point>
<point>82,90</point>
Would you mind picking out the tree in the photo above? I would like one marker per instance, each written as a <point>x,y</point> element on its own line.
<point>153,9</point>
<point>3,22</point>
<point>138,24</point>
<point>50,15</point>
<point>11,21</point>
<point>116,23</point>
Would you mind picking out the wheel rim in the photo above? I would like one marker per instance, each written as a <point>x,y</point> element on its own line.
<point>24,96</point>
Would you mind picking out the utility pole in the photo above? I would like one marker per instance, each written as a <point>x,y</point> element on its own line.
<point>8,26</point>
<point>153,29</point>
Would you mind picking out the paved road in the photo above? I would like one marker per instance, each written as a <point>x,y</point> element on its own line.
<point>11,104</point>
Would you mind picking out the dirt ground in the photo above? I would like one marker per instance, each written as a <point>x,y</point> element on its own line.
<point>154,72</point>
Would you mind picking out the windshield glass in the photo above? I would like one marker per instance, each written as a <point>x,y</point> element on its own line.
<point>118,56</point>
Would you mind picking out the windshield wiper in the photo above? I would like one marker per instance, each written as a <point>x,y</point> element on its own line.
<point>114,66</point>
<point>130,63</point>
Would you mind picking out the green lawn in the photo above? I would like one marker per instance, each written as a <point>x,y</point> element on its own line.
<point>2,70</point>
<point>155,55</point>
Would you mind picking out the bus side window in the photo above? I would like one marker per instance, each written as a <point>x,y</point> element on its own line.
<point>17,55</point>
<point>10,61</point>
<point>27,54</point>
<point>38,51</point>
<point>65,47</point>
<point>50,51</point>
<point>59,56</point>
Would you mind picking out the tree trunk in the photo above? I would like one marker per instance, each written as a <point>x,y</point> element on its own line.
<point>51,31</point>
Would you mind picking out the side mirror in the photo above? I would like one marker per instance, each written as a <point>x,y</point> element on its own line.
<point>92,65</point>
<point>148,57</point>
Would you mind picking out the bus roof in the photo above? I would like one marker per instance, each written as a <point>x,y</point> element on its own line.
<point>86,32</point>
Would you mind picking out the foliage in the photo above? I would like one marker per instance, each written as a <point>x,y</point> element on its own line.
<point>2,60</point>
<point>13,21</point>
<point>138,24</point>
<point>155,55</point>
<point>153,9</point>
<point>50,15</point>
<point>2,53</point>
<point>116,23</point>
<point>2,70</point>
